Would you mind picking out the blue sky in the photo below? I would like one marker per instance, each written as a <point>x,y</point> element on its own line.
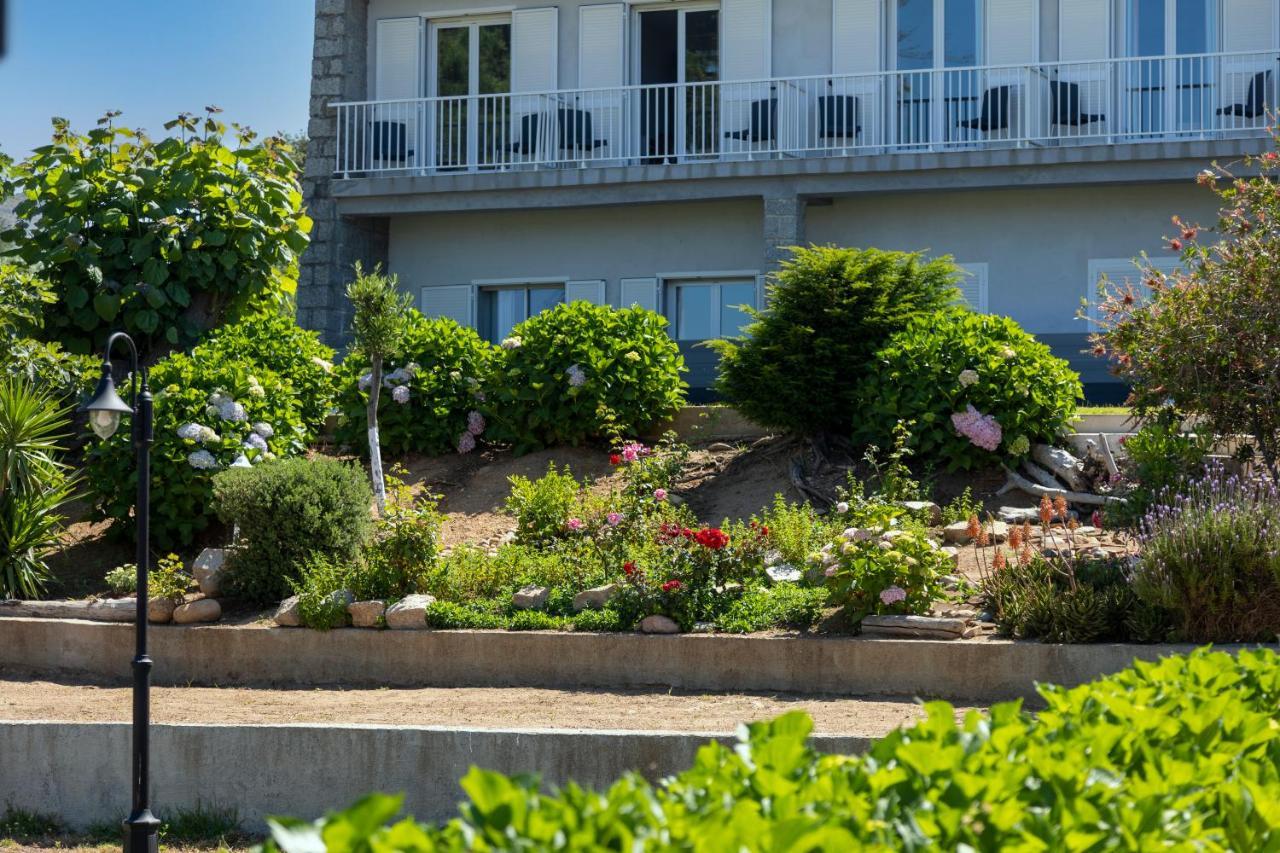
<point>153,59</point>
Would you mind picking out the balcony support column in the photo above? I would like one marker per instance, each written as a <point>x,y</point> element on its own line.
<point>783,227</point>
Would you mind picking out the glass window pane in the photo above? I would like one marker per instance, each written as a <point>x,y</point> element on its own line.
<point>453,61</point>
<point>508,310</point>
<point>543,298</point>
<point>702,46</point>
<point>1195,26</point>
<point>915,34</point>
<point>1146,27</point>
<point>495,59</point>
<point>732,319</point>
<point>960,33</point>
<point>694,313</point>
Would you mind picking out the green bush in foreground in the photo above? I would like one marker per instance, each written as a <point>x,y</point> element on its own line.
<point>1181,754</point>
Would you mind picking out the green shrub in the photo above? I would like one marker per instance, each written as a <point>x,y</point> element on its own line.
<point>453,616</point>
<point>167,580</point>
<point>323,589</point>
<point>973,372</point>
<point>34,486</point>
<point>274,341</point>
<point>1210,553</point>
<point>287,511</point>
<point>162,239</point>
<point>1177,754</point>
<point>580,372</point>
<point>1158,458</point>
<point>606,620</point>
<point>542,506</point>
<point>23,297</point>
<point>442,367</point>
<point>406,540</point>
<point>785,605</point>
<point>795,530</point>
<point>829,311</point>
<point>208,412</point>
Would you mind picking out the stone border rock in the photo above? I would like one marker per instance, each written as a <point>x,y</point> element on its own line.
<point>976,670</point>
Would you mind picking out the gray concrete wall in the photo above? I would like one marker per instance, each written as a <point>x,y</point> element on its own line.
<point>80,771</point>
<point>985,671</point>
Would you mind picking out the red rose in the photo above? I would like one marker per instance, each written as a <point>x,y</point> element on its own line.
<point>712,537</point>
<point>671,585</point>
<point>629,568</point>
<point>615,459</point>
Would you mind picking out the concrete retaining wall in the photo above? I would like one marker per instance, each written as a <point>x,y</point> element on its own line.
<point>979,671</point>
<point>80,771</point>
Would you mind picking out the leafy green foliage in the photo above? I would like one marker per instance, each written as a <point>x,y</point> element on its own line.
<point>785,605</point>
<point>542,506</point>
<point>580,372</point>
<point>830,310</point>
<point>1178,754</point>
<point>322,586</point>
<point>23,355</point>
<point>1207,336</point>
<point>940,365</point>
<point>209,411</point>
<point>163,239</point>
<point>167,580</point>
<point>406,540</point>
<point>444,368</point>
<point>1158,458</point>
<point>796,530</point>
<point>962,507</point>
<point>287,511</point>
<point>34,486</point>
<point>274,340</point>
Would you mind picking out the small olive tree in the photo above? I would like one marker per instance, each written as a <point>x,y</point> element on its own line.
<point>381,314</point>
<point>1206,337</point>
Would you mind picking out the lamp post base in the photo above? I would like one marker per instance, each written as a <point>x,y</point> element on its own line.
<point>142,833</point>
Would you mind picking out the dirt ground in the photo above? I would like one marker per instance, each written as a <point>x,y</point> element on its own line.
<point>24,697</point>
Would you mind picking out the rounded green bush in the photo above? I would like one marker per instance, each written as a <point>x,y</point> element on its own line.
<point>275,341</point>
<point>444,367</point>
<point>580,372</point>
<point>829,311</point>
<point>289,513</point>
<point>194,440</point>
<point>941,365</point>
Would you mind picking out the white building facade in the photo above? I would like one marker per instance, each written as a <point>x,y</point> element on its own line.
<point>501,158</point>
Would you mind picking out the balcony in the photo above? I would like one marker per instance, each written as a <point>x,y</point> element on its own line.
<point>1044,105</point>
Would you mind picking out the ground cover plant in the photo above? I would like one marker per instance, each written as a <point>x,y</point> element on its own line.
<point>1181,753</point>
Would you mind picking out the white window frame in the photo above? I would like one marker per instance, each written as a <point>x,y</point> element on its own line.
<point>980,271</point>
<point>939,34</point>
<point>714,283</point>
<point>1112,267</point>
<point>635,10</point>
<point>493,285</point>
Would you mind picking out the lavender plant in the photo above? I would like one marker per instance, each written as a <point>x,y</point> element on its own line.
<point>1211,554</point>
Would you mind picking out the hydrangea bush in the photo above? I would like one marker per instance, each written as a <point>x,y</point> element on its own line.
<point>432,399</point>
<point>580,372</point>
<point>210,413</point>
<point>975,388</point>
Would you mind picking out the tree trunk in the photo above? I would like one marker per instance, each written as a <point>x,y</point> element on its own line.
<point>375,447</point>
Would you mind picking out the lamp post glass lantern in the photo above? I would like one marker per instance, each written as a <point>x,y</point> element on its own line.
<point>105,411</point>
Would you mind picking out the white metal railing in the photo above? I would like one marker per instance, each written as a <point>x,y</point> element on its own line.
<point>1049,103</point>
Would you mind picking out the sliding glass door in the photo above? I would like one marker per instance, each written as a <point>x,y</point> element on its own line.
<point>1167,89</point>
<point>678,49</point>
<point>470,59</point>
<point>931,37</point>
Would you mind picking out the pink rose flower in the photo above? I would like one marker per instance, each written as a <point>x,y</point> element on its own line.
<point>614,519</point>
<point>659,494</point>
<point>574,524</point>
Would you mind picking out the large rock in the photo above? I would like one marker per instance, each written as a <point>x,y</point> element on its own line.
<point>287,615</point>
<point>658,624</point>
<point>530,598</point>
<point>160,610</point>
<point>409,613</point>
<point>366,614</point>
<point>207,570</point>
<point>928,509</point>
<point>784,573</point>
<point>957,533</point>
<point>200,610</point>
<point>594,599</point>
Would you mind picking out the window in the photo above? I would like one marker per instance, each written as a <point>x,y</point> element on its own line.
<point>502,308</point>
<point>973,286</point>
<point>1119,272</point>
<point>1165,96</point>
<point>705,310</point>
<point>933,34</point>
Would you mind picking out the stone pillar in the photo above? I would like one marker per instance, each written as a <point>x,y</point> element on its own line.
<point>783,227</point>
<point>338,72</point>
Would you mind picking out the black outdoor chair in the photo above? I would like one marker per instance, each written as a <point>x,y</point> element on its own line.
<point>763,125</point>
<point>838,117</point>
<point>1255,99</point>
<point>577,131</point>
<point>1065,103</point>
<point>529,126</point>
<point>994,114</point>
<point>390,140</point>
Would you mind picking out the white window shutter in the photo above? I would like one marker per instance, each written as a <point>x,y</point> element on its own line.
<point>455,301</point>
<point>973,286</point>
<point>1249,25</point>
<point>747,34</point>
<point>601,46</point>
<point>585,291</point>
<point>642,292</point>
<point>1084,30</point>
<point>1011,35</point>
<point>534,50</point>
<point>856,35</point>
<point>398,65</point>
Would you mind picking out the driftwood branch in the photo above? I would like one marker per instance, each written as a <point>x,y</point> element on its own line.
<point>1017,481</point>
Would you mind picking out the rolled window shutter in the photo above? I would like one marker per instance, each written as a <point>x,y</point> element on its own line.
<point>973,286</point>
<point>585,291</point>
<point>1084,30</point>
<point>1011,35</point>
<point>397,71</point>
<point>1249,25</point>
<point>747,33</point>
<point>601,46</point>
<point>454,301</point>
<point>534,57</point>
<point>642,292</point>
<point>856,34</point>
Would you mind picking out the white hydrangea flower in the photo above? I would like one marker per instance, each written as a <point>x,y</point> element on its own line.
<point>264,429</point>
<point>400,394</point>
<point>968,377</point>
<point>576,376</point>
<point>257,391</point>
<point>412,369</point>
<point>202,460</point>
<point>211,411</point>
<point>256,442</point>
<point>455,375</point>
<point>191,432</point>
<point>208,436</point>
<point>512,343</point>
<point>268,456</point>
<point>230,410</point>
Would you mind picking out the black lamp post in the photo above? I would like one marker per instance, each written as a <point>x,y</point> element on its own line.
<point>142,827</point>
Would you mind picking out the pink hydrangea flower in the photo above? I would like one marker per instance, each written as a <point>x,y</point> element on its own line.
<point>466,443</point>
<point>981,430</point>
<point>633,451</point>
<point>475,423</point>
<point>659,494</point>
<point>892,595</point>
<point>400,394</point>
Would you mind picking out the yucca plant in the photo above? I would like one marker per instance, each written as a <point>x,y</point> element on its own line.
<point>34,486</point>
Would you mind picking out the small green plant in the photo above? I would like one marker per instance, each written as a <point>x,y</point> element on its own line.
<point>200,825</point>
<point>606,620</point>
<point>286,512</point>
<point>542,507</point>
<point>1158,458</point>
<point>23,354</point>
<point>962,507</point>
<point>406,541</point>
<point>795,530</point>
<point>167,580</point>
<point>893,477</point>
<point>785,605</point>
<point>455,616</point>
<point>323,590</point>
